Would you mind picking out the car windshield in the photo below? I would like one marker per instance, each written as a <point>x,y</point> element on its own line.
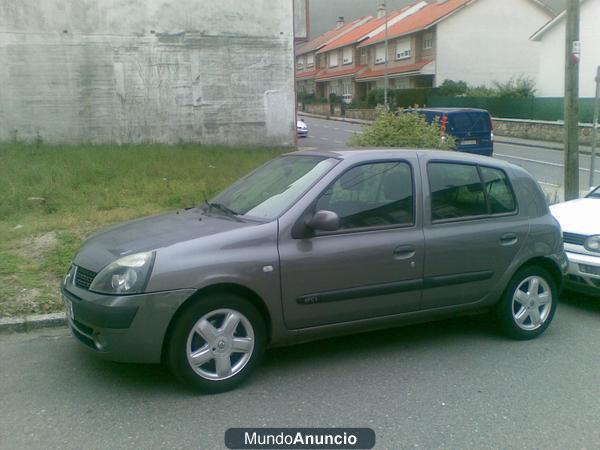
<point>271,189</point>
<point>595,193</point>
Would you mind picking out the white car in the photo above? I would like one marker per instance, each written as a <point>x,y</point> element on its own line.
<point>301,128</point>
<point>580,222</point>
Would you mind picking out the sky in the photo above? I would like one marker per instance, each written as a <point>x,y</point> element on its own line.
<point>324,13</point>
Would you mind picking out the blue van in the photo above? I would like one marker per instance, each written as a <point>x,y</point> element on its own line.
<point>472,128</point>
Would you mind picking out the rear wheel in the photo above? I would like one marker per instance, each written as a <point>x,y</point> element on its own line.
<point>216,342</point>
<point>528,304</point>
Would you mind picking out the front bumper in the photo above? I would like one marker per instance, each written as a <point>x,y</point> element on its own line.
<point>122,328</point>
<point>583,274</point>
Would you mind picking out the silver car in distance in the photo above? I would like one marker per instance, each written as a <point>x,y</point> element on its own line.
<point>318,244</point>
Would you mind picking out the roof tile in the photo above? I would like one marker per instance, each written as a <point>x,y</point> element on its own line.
<point>420,20</point>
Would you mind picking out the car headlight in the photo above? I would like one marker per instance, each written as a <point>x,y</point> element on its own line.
<point>592,244</point>
<point>128,275</point>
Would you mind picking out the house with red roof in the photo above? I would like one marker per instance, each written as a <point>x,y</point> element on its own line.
<point>340,62</point>
<point>307,61</point>
<point>478,41</point>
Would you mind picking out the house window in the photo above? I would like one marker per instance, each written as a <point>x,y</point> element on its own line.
<point>300,62</point>
<point>310,60</point>
<point>347,55</point>
<point>347,90</point>
<point>403,49</point>
<point>380,54</point>
<point>364,56</point>
<point>333,58</point>
<point>402,83</point>
<point>428,41</point>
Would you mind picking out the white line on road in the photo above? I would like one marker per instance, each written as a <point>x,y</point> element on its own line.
<point>324,139</point>
<point>583,169</point>
<point>338,142</point>
<point>549,184</point>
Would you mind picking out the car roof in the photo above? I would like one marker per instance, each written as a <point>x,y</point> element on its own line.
<point>450,110</point>
<point>360,155</point>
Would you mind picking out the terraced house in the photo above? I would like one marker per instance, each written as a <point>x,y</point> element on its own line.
<point>478,41</point>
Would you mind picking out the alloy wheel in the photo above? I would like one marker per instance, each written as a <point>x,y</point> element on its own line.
<point>220,344</point>
<point>532,303</point>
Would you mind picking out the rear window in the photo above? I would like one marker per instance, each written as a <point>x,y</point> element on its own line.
<point>461,191</point>
<point>498,190</point>
<point>476,122</point>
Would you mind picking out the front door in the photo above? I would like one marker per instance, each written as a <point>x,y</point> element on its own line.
<point>372,266</point>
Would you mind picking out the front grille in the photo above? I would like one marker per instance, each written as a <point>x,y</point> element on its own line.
<point>84,277</point>
<point>575,239</point>
<point>592,270</point>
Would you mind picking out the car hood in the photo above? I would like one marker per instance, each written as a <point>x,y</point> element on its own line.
<point>579,216</point>
<point>151,233</point>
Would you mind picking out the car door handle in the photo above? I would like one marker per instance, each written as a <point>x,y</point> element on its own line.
<point>509,239</point>
<point>404,252</point>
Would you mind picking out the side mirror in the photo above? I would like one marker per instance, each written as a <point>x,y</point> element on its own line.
<point>324,221</point>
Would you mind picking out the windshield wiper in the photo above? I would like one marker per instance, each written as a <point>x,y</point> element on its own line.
<point>221,207</point>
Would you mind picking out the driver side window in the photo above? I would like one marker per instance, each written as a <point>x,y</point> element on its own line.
<point>372,195</point>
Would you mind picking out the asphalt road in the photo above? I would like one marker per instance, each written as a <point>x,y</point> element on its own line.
<point>453,384</point>
<point>546,165</point>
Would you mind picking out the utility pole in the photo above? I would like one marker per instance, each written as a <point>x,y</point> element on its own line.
<point>595,129</point>
<point>572,56</point>
<point>385,69</point>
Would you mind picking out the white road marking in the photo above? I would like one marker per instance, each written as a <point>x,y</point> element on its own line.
<point>549,184</point>
<point>537,161</point>
<point>338,142</point>
<point>324,139</point>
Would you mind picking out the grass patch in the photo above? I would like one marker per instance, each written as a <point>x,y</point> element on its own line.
<point>52,197</point>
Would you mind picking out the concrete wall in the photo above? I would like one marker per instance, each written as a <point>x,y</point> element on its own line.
<point>489,41</point>
<point>551,77</point>
<point>164,71</point>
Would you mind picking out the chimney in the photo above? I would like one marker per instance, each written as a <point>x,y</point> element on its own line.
<point>340,22</point>
<point>381,11</point>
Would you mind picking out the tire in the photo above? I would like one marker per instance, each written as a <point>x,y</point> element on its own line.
<point>216,342</point>
<point>516,312</point>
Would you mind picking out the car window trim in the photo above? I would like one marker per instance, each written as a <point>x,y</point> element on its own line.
<point>312,206</point>
<point>479,216</point>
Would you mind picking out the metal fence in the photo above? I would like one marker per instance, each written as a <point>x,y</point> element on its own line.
<point>551,109</point>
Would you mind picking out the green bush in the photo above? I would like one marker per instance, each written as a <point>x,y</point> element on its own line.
<point>358,104</point>
<point>407,130</point>
<point>310,99</point>
<point>450,88</point>
<point>516,87</point>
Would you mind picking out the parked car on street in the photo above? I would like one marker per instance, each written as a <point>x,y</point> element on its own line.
<point>317,244</point>
<point>471,128</point>
<point>580,222</point>
<point>301,128</point>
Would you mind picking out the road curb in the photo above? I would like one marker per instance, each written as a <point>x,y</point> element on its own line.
<point>29,323</point>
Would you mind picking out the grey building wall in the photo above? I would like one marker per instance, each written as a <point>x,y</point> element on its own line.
<point>166,71</point>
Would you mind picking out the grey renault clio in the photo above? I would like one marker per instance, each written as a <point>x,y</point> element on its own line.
<point>317,244</point>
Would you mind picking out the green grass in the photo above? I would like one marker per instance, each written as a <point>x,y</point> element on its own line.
<point>51,197</point>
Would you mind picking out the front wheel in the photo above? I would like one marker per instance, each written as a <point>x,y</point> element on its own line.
<point>216,342</point>
<point>528,304</point>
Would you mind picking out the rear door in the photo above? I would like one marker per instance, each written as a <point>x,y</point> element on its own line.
<point>472,131</point>
<point>473,231</point>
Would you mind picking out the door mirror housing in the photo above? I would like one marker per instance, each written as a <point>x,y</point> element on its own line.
<point>324,221</point>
